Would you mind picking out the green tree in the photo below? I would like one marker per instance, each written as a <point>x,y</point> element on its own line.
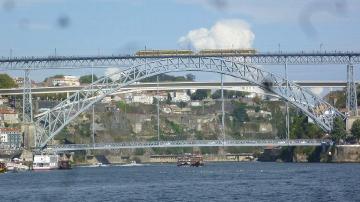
<point>228,94</point>
<point>200,94</point>
<point>168,99</point>
<point>240,113</point>
<point>122,105</point>
<point>190,77</point>
<point>355,129</point>
<point>164,77</point>
<point>300,128</point>
<point>338,131</point>
<point>87,78</point>
<point>182,104</point>
<point>6,81</point>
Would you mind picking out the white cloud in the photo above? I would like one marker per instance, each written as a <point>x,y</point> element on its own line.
<point>225,34</point>
<point>111,72</point>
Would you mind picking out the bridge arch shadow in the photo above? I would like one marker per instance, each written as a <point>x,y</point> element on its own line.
<point>50,123</point>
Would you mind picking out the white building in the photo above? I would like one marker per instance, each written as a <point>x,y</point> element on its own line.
<point>179,96</point>
<point>195,103</point>
<point>64,81</point>
<point>12,137</point>
<point>3,100</point>
<point>145,99</point>
<point>19,81</point>
<point>106,99</point>
<point>9,116</point>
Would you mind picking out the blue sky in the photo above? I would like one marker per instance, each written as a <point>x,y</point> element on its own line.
<point>90,27</point>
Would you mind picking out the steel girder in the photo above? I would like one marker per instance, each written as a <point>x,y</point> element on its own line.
<point>190,143</point>
<point>59,62</point>
<point>50,123</point>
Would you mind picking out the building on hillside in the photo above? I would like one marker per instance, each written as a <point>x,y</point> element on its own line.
<point>9,116</point>
<point>166,110</point>
<point>265,128</point>
<point>179,96</point>
<point>63,81</point>
<point>19,81</point>
<point>145,99</point>
<point>195,103</point>
<point>106,100</point>
<point>11,137</point>
<point>4,100</point>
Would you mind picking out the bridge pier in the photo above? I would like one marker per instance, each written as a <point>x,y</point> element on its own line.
<point>27,98</point>
<point>29,135</point>
<point>351,96</point>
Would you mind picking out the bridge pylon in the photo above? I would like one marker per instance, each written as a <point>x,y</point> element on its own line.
<point>27,98</point>
<point>29,135</point>
<point>351,96</point>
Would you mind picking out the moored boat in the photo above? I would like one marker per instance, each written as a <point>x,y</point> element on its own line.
<point>190,160</point>
<point>2,167</point>
<point>133,163</point>
<point>64,164</point>
<point>45,162</point>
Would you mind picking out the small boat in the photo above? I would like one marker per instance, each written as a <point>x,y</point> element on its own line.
<point>97,165</point>
<point>132,163</point>
<point>64,164</point>
<point>3,168</point>
<point>190,160</point>
<point>17,167</point>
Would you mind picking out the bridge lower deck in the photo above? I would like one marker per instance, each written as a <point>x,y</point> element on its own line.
<point>189,143</point>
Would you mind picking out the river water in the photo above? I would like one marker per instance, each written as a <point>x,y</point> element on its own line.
<point>253,181</point>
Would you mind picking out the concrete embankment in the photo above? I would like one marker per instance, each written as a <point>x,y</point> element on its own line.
<point>346,154</point>
<point>335,154</point>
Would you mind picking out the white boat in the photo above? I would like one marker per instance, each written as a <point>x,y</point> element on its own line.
<point>132,163</point>
<point>16,166</point>
<point>45,162</point>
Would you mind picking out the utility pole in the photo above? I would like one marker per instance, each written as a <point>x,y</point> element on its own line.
<point>158,111</point>
<point>287,104</point>
<point>93,107</point>
<point>222,108</point>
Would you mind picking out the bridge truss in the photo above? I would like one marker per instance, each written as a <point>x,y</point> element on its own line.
<point>50,123</point>
<point>70,62</point>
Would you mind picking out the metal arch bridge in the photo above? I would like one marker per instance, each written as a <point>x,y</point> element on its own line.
<point>60,62</point>
<point>52,121</point>
<point>27,64</point>
<point>172,86</point>
<point>189,143</point>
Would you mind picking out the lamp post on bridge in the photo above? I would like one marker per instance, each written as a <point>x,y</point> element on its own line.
<point>286,103</point>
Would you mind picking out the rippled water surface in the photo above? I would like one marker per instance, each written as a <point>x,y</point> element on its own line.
<point>166,182</point>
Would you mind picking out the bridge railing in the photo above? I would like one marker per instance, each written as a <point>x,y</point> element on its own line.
<point>190,143</point>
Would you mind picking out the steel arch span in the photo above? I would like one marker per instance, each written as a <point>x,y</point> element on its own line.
<point>51,122</point>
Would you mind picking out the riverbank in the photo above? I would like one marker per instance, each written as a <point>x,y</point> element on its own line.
<point>335,154</point>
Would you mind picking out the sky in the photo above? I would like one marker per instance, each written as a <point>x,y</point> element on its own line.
<point>105,27</point>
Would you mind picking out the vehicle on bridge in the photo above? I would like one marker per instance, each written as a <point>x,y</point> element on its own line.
<point>227,51</point>
<point>163,52</point>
